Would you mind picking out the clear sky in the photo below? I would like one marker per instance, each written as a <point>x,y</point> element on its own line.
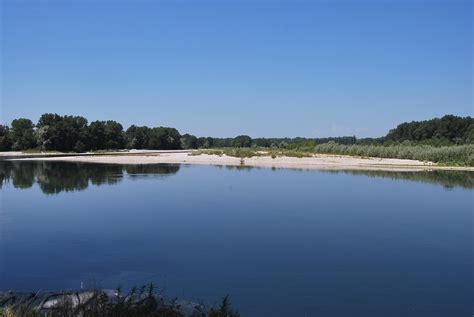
<point>223,68</point>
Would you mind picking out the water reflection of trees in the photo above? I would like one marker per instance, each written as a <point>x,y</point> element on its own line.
<point>448,179</point>
<point>56,177</point>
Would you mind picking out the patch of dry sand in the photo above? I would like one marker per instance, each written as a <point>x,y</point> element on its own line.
<point>318,161</point>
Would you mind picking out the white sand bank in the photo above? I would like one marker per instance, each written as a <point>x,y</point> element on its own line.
<point>316,162</point>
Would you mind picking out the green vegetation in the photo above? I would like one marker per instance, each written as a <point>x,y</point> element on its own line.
<point>224,310</point>
<point>152,138</point>
<point>455,155</point>
<point>251,152</point>
<point>448,155</point>
<point>444,131</point>
<point>5,138</point>
<point>142,301</point>
<point>22,134</point>
<point>73,134</point>
<point>448,140</point>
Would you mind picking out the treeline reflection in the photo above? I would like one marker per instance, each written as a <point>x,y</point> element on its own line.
<point>448,179</point>
<point>56,177</point>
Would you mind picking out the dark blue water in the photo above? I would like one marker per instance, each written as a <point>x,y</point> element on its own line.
<point>279,242</point>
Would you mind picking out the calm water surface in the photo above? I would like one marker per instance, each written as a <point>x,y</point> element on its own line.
<point>279,242</point>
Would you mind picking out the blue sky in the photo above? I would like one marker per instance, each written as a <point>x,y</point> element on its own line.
<point>223,68</point>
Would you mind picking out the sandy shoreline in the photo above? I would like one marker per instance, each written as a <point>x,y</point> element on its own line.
<point>318,161</point>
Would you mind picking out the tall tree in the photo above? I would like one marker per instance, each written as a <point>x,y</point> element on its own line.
<point>164,139</point>
<point>114,135</point>
<point>68,133</point>
<point>189,141</point>
<point>106,135</point>
<point>5,138</point>
<point>445,130</point>
<point>242,141</point>
<point>137,137</point>
<point>22,133</point>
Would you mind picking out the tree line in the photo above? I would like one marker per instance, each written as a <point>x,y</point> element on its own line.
<point>448,129</point>
<point>66,133</point>
<point>54,132</point>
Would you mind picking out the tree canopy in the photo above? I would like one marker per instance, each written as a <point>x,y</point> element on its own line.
<point>22,134</point>
<point>74,133</point>
<point>448,129</point>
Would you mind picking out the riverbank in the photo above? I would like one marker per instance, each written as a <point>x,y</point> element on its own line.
<point>315,161</point>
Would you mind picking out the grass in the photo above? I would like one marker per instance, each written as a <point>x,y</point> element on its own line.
<point>252,152</point>
<point>455,155</point>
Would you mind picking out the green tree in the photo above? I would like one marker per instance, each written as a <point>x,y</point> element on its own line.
<point>104,135</point>
<point>438,131</point>
<point>164,139</point>
<point>469,135</point>
<point>207,142</point>
<point>137,137</point>
<point>22,134</point>
<point>5,138</point>
<point>67,133</point>
<point>114,135</point>
<point>189,141</point>
<point>242,141</point>
<point>96,133</point>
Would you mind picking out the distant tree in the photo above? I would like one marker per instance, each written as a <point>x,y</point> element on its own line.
<point>76,133</point>
<point>438,131</point>
<point>137,137</point>
<point>47,132</point>
<point>262,142</point>
<point>164,139</point>
<point>5,138</point>
<point>371,141</point>
<point>283,145</point>
<point>72,133</point>
<point>22,134</point>
<point>189,141</point>
<point>114,135</point>
<point>96,133</point>
<point>347,140</point>
<point>242,141</point>
<point>55,132</point>
<point>106,135</point>
<point>208,142</point>
<point>469,135</point>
